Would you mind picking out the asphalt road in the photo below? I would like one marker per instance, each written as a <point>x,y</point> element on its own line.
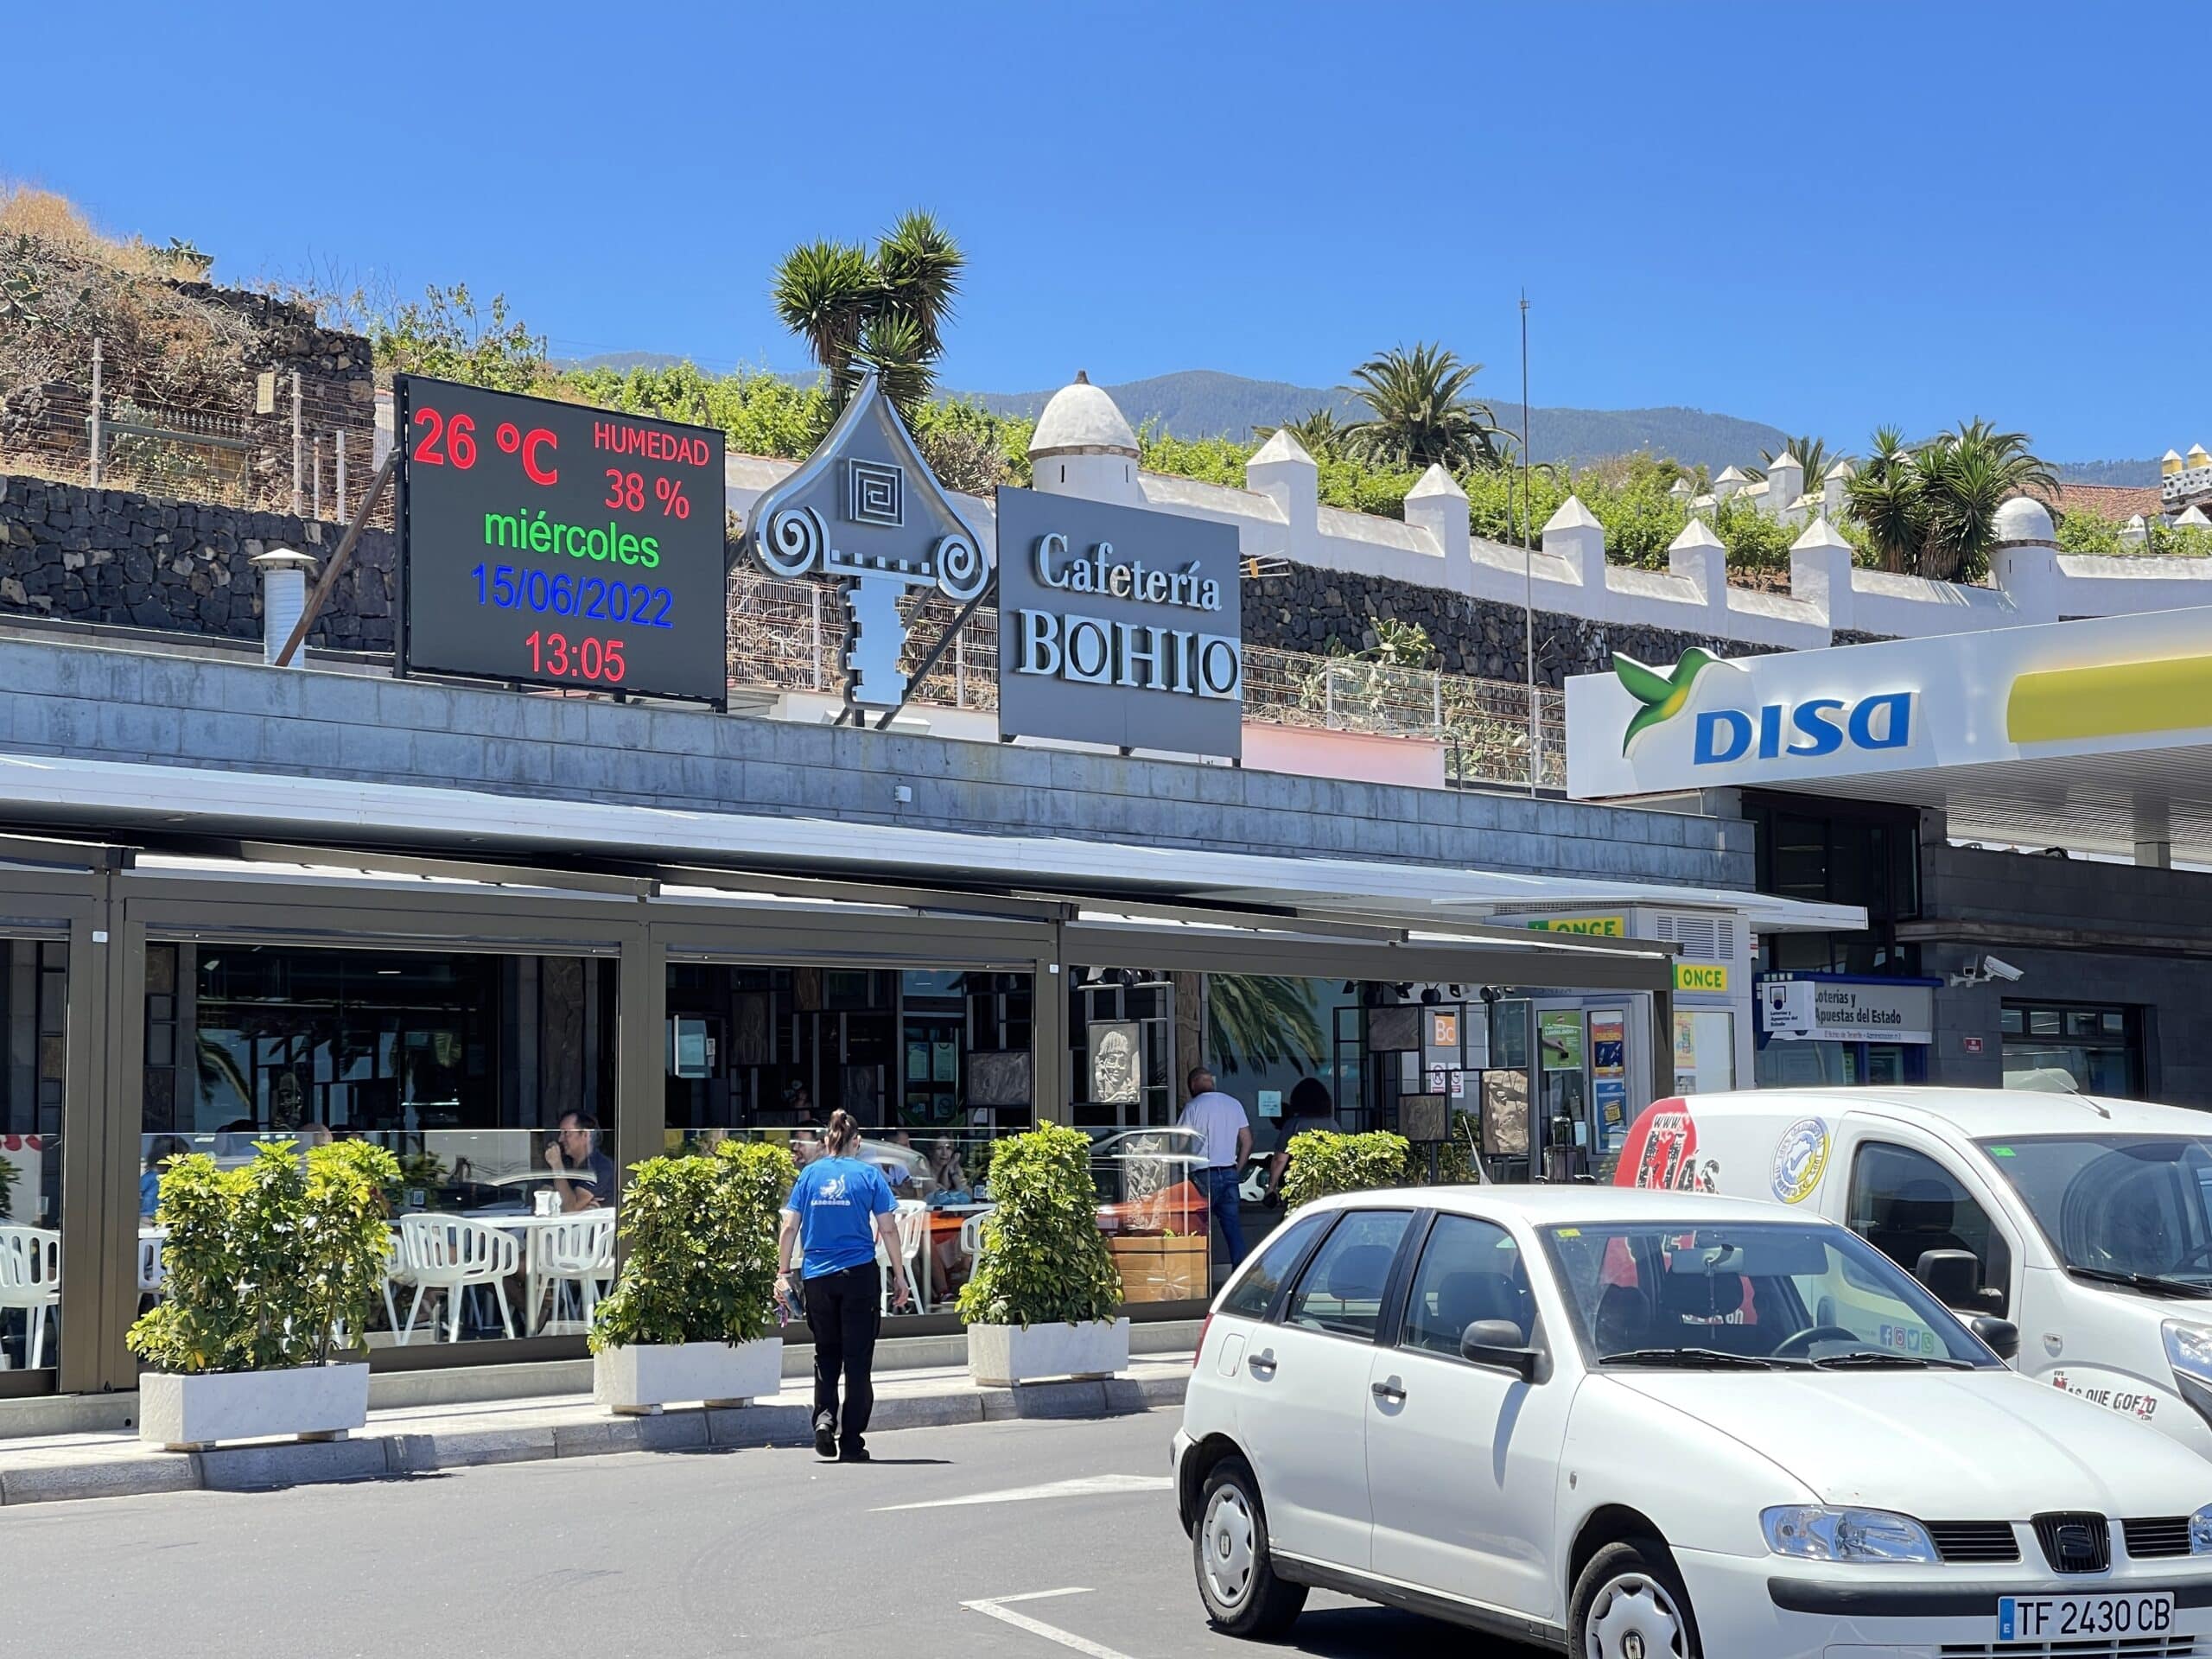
<point>679,1556</point>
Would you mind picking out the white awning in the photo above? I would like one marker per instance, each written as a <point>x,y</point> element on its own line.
<point>477,824</point>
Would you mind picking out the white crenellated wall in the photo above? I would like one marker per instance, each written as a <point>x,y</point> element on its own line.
<point>1279,514</point>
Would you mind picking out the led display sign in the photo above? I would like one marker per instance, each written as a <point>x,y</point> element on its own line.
<point>553,544</point>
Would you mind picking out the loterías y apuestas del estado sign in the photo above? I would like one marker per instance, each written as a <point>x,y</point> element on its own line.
<point>1118,625</point>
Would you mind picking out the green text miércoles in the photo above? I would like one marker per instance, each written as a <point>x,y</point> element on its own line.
<point>531,533</point>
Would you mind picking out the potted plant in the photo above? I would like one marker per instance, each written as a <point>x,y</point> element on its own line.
<point>269,1271</point>
<point>692,1316</point>
<point>1323,1161</point>
<point>1044,1299</point>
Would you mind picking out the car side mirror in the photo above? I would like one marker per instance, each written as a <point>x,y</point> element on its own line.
<point>2002,1337</point>
<point>1497,1344</point>
<point>1954,1276</point>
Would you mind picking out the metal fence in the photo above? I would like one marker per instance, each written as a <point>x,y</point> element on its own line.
<point>285,443</point>
<point>790,636</point>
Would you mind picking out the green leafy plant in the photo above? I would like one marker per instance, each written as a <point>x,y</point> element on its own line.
<point>701,1232</point>
<point>1042,1259</point>
<point>1419,414</point>
<point>445,335</point>
<point>268,1263</point>
<point>883,308</point>
<point>1323,1161</point>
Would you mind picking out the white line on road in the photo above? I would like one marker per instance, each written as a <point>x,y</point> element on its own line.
<point>996,1608</point>
<point>1088,1486</point>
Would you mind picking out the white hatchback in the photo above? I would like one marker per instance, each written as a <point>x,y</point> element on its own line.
<point>1637,1425</point>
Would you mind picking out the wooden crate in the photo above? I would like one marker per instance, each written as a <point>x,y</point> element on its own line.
<point>1163,1268</point>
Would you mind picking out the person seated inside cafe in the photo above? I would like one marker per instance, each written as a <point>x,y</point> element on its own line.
<point>161,1150</point>
<point>583,1176</point>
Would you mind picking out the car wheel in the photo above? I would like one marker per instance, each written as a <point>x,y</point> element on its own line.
<point>1237,1579</point>
<point>1630,1604</point>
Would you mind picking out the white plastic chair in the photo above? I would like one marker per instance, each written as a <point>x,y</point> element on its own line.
<point>457,1256</point>
<point>579,1252</point>
<point>30,1278</point>
<point>150,1272</point>
<point>912,1219</point>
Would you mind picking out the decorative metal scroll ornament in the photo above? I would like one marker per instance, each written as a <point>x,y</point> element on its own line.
<point>866,509</point>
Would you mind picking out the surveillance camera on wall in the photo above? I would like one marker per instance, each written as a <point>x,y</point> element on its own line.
<point>1998,968</point>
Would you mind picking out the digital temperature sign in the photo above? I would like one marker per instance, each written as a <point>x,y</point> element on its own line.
<point>555,545</point>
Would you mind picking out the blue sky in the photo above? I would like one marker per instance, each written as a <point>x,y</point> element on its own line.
<point>1823,217</point>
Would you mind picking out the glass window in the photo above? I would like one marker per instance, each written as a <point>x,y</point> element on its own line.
<point>1468,1270</point>
<point>1341,1290</point>
<point>1255,1293</point>
<point>2121,1203</point>
<point>2099,1049</point>
<point>1782,1294</point>
<point>34,1046</point>
<point>1904,1204</point>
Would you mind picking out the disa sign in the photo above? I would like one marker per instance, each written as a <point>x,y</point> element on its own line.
<point>1816,727</point>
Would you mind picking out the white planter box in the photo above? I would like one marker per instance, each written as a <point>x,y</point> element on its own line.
<point>999,1355</point>
<point>315,1403</point>
<point>638,1380</point>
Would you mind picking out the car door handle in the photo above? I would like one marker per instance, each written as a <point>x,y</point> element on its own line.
<point>1261,1363</point>
<point>1390,1391</point>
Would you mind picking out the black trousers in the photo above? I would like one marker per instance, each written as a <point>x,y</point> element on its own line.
<point>842,1310</point>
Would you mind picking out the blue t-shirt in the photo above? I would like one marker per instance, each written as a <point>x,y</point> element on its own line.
<point>837,1200</point>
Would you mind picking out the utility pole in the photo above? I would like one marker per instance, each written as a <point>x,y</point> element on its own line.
<point>1528,559</point>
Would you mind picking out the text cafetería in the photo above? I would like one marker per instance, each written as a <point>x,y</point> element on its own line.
<point>1102,650</point>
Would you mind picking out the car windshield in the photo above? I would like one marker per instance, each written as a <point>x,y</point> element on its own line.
<point>2130,1207</point>
<point>1754,1295</point>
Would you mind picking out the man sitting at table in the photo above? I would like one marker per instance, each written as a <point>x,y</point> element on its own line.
<point>583,1176</point>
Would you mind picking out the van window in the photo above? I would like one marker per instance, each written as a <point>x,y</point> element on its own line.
<point>1341,1290</point>
<point>1904,1202</point>
<point>1256,1292</point>
<point>1468,1270</point>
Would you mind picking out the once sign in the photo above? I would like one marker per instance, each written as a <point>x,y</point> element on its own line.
<point>1118,626</point>
<point>555,545</point>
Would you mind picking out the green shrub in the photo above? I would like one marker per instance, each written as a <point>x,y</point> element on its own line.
<point>1042,1259</point>
<point>264,1264</point>
<point>1323,1161</point>
<point>702,1260</point>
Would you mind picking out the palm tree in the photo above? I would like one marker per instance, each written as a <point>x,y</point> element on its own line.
<point>1931,510</point>
<point>1318,432</point>
<point>1884,496</point>
<point>1812,455</point>
<point>884,307</point>
<point>1418,416</point>
<point>1968,474</point>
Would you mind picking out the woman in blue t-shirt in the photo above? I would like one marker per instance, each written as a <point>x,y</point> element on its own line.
<point>839,1209</point>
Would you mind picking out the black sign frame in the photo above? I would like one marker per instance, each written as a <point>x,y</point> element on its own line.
<point>708,505</point>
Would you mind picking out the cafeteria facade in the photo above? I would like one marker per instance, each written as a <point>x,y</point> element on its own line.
<point>239,901</point>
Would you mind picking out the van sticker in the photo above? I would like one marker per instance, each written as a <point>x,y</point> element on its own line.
<point>1801,1157</point>
<point>2002,1152</point>
<point>1566,1232</point>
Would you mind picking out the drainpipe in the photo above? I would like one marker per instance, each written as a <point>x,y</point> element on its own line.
<point>283,597</point>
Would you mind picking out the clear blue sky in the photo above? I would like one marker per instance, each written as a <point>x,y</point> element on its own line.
<point>1823,217</point>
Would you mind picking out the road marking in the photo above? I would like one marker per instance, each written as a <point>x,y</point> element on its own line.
<point>1088,1486</point>
<point>997,1607</point>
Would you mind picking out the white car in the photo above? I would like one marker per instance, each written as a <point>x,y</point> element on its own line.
<point>1656,1424</point>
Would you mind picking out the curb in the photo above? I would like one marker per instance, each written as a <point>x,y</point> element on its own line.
<point>375,1456</point>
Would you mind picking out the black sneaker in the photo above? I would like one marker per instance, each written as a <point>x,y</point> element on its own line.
<point>825,1436</point>
<point>856,1453</point>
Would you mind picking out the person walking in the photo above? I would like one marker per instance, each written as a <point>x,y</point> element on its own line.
<point>840,1209</point>
<point>1225,1134</point>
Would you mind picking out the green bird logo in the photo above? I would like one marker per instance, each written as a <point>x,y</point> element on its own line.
<point>1663,695</point>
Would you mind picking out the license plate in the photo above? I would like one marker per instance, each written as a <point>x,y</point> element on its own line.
<point>2057,1618</point>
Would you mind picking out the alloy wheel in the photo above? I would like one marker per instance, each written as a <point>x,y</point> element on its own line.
<point>1634,1617</point>
<point>1229,1535</point>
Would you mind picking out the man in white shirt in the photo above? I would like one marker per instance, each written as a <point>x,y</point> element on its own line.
<point>1226,1135</point>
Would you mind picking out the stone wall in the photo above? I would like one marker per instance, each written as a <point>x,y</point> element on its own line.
<point>1306,609</point>
<point>112,555</point>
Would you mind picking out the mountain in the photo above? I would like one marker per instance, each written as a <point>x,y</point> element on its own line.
<point>2119,474</point>
<point>1198,402</point>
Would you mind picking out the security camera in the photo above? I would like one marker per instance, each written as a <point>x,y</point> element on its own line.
<point>1998,968</point>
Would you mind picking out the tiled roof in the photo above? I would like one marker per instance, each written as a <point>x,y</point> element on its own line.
<point>2108,501</point>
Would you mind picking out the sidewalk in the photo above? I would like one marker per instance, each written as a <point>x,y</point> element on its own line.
<point>40,1469</point>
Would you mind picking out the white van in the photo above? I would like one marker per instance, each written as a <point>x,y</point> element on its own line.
<point>2086,1222</point>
